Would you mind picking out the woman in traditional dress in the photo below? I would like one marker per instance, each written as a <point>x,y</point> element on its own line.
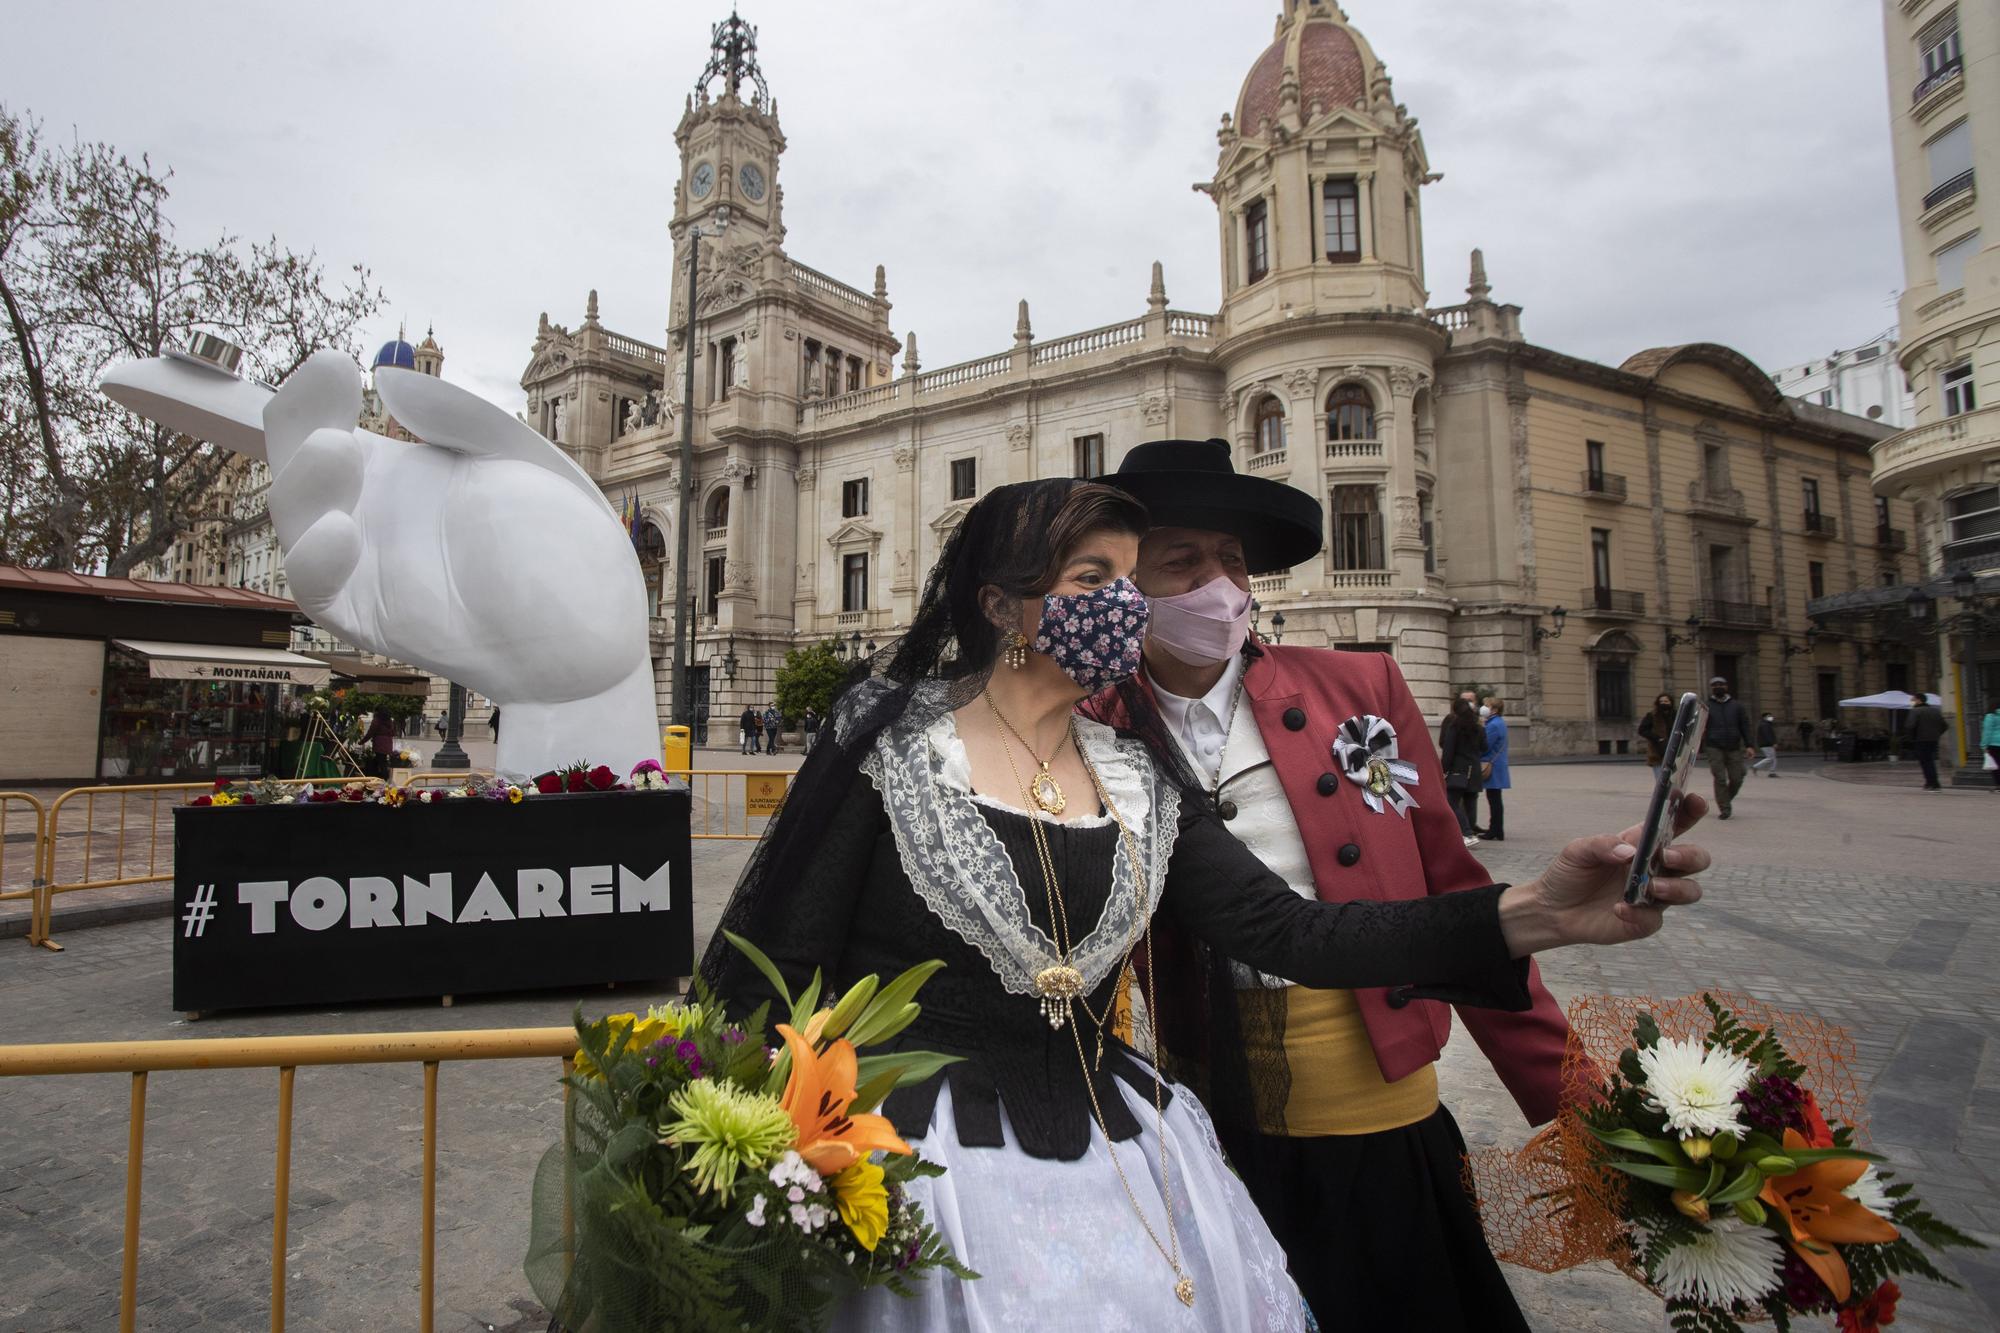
<point>959,809</point>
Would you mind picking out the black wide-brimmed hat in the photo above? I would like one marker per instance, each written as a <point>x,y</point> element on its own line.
<point>1192,484</point>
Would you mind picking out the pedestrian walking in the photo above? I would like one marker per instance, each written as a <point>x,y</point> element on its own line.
<point>1495,767</point>
<point>1989,741</point>
<point>1927,728</point>
<point>752,724</point>
<point>810,725</point>
<point>774,722</point>
<point>493,721</point>
<point>1655,728</point>
<point>1767,744</point>
<point>1727,736</point>
<point>1464,743</point>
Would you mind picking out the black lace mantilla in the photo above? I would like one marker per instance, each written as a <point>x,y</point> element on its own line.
<point>858,913</point>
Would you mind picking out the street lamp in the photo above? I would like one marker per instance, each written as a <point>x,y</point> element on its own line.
<point>854,645</point>
<point>1918,604</point>
<point>1278,628</point>
<point>729,663</point>
<point>681,686</point>
<point>451,754</point>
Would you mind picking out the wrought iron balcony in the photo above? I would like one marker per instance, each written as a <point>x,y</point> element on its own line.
<point>1746,615</point>
<point>1891,539</point>
<point>1958,184</point>
<point>1601,602</point>
<point>1821,525</point>
<point>1936,79</point>
<point>1604,485</point>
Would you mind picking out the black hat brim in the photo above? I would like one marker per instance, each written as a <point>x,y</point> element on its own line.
<point>1280,526</point>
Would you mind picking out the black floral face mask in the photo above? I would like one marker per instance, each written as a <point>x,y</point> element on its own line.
<point>1096,636</point>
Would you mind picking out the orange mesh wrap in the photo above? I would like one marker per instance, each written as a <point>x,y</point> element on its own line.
<point>1551,1204</point>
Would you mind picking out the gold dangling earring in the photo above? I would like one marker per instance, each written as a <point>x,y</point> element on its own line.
<point>1016,654</point>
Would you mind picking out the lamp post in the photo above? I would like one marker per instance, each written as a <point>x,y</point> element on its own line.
<point>1278,627</point>
<point>681,684</point>
<point>1560,615</point>
<point>451,754</point>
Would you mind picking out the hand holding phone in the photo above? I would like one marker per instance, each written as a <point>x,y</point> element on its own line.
<point>1669,790</point>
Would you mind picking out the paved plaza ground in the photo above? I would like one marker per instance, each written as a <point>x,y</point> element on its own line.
<point>1868,903</point>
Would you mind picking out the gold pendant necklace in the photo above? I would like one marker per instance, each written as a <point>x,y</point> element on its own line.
<point>1061,986</point>
<point>1043,790</point>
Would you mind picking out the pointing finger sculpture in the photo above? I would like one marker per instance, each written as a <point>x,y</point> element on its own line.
<point>484,554</point>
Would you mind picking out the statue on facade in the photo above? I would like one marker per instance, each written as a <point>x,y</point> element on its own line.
<point>414,550</point>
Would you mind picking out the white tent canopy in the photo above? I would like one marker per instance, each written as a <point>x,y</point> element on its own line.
<point>1890,699</point>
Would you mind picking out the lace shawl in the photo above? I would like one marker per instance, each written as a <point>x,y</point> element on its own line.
<point>963,874</point>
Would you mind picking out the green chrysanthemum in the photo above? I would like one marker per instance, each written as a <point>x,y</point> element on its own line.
<point>729,1129</point>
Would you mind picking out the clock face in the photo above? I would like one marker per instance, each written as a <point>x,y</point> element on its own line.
<point>752,180</point>
<point>703,180</point>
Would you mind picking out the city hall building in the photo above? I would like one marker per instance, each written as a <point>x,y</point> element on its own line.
<point>1574,536</point>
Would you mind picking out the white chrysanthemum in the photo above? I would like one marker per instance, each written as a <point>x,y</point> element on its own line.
<point>1727,1261</point>
<point>1871,1193</point>
<point>1695,1087</point>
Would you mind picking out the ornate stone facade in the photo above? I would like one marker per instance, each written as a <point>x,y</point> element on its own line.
<point>1446,448</point>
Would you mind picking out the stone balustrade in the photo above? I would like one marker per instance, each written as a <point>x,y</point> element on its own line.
<point>1268,460</point>
<point>1188,324</point>
<point>1923,450</point>
<point>1347,579</point>
<point>1270,583</point>
<point>1451,318</point>
<point>1091,340</point>
<point>1353,450</point>
<point>856,401</point>
<point>635,349</point>
<point>820,282</point>
<point>965,372</point>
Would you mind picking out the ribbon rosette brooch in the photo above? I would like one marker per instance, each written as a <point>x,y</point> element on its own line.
<point>1365,749</point>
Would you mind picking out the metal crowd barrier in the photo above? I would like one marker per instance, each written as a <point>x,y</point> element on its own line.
<point>15,885</point>
<point>735,822</point>
<point>286,1054</point>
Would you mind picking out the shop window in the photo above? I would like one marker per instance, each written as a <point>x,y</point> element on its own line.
<point>1357,528</point>
<point>1270,426</point>
<point>1257,240</point>
<point>854,582</point>
<point>1089,456</point>
<point>1350,413</point>
<point>1343,220</point>
<point>854,498</point>
<point>964,478</point>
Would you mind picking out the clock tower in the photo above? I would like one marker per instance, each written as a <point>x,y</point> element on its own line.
<point>729,143</point>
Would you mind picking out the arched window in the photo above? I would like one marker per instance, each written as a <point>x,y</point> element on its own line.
<point>1270,425</point>
<point>718,510</point>
<point>1350,414</point>
<point>651,542</point>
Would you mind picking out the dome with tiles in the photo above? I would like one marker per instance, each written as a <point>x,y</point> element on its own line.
<point>1314,41</point>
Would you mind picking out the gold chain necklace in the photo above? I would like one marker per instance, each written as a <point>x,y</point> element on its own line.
<point>1044,791</point>
<point>1056,1006</point>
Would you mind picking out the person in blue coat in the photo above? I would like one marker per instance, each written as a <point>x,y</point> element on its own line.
<point>1497,780</point>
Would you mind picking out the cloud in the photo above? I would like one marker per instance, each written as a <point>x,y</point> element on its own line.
<point>1636,174</point>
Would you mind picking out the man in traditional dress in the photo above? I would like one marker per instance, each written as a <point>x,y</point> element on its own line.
<point>1322,764</point>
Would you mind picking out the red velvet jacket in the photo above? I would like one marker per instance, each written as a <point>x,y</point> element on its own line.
<point>1300,696</point>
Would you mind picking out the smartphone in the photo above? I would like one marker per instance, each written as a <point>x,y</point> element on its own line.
<point>1669,790</point>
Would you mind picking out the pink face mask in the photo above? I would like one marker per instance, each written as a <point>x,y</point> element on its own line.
<point>1202,627</point>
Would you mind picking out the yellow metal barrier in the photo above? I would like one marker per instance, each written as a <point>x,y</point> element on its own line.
<point>10,802</point>
<point>763,791</point>
<point>285,1054</point>
<point>120,872</point>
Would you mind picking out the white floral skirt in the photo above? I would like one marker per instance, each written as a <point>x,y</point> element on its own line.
<point>1058,1247</point>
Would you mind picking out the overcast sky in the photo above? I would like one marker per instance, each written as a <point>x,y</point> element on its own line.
<point>1638,174</point>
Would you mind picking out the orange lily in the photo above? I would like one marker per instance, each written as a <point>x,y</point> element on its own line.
<point>1818,1216</point>
<point>817,1097</point>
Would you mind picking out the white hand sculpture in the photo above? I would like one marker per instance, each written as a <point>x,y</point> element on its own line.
<point>484,554</point>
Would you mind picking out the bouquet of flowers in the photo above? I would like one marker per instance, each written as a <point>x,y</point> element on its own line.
<point>1716,1166</point>
<point>712,1180</point>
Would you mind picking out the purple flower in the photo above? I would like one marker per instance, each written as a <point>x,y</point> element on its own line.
<point>1803,1289</point>
<point>686,1050</point>
<point>652,1062</point>
<point>732,1035</point>
<point>1773,1104</point>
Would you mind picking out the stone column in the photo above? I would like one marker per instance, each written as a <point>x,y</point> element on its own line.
<point>736,607</point>
<point>903,534</point>
<point>1399,439</point>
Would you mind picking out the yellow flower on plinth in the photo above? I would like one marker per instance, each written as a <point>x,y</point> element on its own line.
<point>513,795</point>
<point>863,1202</point>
